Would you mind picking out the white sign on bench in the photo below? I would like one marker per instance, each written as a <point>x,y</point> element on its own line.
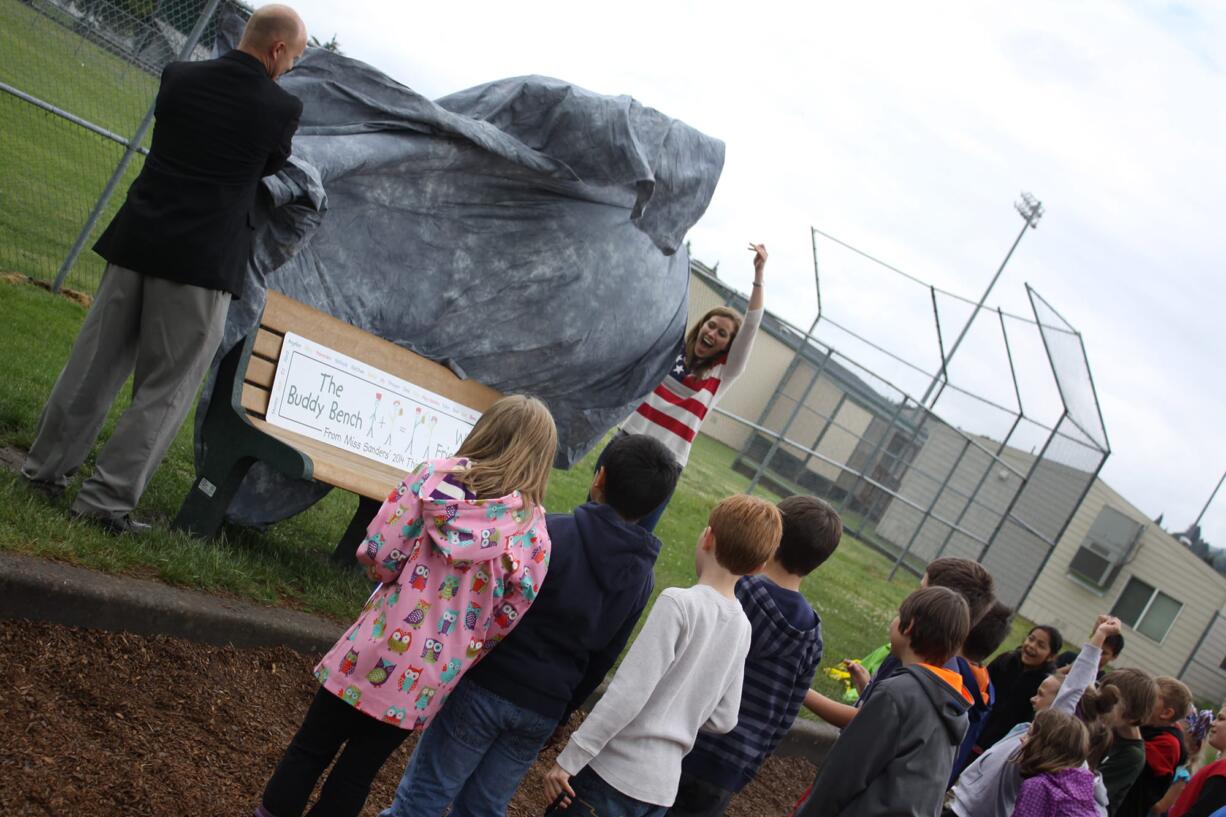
<point>333,398</point>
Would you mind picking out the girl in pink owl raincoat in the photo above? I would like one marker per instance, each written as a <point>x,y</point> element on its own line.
<point>452,547</point>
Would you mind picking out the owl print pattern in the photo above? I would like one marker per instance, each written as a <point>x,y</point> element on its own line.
<point>456,576</point>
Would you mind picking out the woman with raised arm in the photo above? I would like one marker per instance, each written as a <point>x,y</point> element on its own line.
<point>715,352</point>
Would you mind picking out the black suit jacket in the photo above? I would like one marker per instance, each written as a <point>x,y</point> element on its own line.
<point>221,125</point>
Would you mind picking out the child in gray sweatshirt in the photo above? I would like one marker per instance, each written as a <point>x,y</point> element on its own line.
<point>682,674</point>
<point>895,756</point>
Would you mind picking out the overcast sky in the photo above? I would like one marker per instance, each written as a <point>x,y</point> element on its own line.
<point>908,132</point>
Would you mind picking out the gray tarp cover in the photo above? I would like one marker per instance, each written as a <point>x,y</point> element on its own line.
<point>527,232</point>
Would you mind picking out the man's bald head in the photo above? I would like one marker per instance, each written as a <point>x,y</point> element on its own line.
<point>276,36</point>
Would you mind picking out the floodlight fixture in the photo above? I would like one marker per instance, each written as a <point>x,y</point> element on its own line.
<point>1030,209</point>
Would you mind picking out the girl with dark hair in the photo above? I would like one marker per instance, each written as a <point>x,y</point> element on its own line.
<point>1016,677</point>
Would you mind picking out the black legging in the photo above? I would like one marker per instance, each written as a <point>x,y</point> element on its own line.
<point>329,723</point>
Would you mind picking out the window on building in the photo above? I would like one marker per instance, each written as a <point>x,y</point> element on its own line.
<point>1223,664</point>
<point>1146,609</point>
<point>1106,548</point>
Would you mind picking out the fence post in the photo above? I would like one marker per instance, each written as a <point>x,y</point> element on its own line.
<point>132,149</point>
<point>874,457</point>
<point>906,551</point>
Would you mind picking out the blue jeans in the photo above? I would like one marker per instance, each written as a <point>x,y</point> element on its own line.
<point>596,798</point>
<point>472,756</point>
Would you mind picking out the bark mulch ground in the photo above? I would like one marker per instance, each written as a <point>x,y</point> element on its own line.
<point>101,723</point>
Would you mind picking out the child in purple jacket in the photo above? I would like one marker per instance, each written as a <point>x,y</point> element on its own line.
<point>1052,763</point>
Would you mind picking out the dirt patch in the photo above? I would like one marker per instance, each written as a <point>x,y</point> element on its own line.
<point>73,295</point>
<point>100,723</point>
<point>11,458</point>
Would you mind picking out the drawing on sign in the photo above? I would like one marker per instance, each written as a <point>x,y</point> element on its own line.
<point>333,398</point>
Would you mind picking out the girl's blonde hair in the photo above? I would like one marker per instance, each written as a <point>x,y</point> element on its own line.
<point>1057,740</point>
<point>692,362</point>
<point>511,448</point>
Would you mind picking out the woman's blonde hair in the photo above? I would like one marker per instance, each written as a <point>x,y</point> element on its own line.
<point>1057,740</point>
<point>697,366</point>
<point>511,448</point>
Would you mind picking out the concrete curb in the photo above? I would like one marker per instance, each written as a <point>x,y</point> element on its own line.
<point>42,590</point>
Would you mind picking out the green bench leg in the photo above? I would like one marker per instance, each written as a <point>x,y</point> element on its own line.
<point>204,508</point>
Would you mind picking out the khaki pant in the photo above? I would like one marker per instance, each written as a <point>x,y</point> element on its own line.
<point>165,330</point>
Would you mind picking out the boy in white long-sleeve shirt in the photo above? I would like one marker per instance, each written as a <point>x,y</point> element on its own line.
<point>682,674</point>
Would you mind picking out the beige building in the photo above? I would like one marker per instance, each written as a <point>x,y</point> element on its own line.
<point>1114,559</point>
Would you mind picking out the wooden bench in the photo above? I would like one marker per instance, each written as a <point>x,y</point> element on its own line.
<point>236,435</point>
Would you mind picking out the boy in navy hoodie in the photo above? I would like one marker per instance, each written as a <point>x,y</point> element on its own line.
<point>783,655</point>
<point>487,735</point>
<point>896,754</point>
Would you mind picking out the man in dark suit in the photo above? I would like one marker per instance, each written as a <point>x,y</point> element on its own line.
<point>177,252</point>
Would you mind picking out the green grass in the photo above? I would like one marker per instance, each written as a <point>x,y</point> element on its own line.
<point>52,171</point>
<point>286,564</point>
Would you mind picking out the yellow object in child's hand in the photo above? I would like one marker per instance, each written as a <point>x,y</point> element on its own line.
<point>838,674</point>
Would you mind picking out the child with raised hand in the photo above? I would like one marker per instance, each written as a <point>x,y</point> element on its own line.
<point>896,754</point>
<point>784,653</point>
<point>1165,750</point>
<point>1111,651</point>
<point>683,673</point>
<point>455,548</point>
<point>1016,677</point>
<point>488,733</point>
<point>988,787</point>
<point>1052,765</point>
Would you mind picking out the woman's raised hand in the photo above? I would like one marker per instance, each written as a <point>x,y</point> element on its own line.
<point>759,258</point>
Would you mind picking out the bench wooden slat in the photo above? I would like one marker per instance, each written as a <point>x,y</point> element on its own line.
<point>338,466</point>
<point>260,372</point>
<point>282,314</point>
<point>255,399</point>
<point>267,344</point>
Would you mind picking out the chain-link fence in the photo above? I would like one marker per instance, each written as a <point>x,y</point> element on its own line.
<point>963,470</point>
<point>77,82</point>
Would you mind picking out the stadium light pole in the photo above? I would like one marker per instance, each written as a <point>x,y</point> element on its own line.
<point>1209,501</point>
<point>1031,209</point>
